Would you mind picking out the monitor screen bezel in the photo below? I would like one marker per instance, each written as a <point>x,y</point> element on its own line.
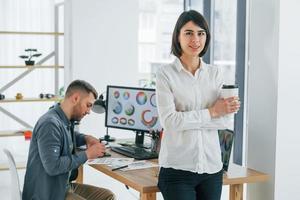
<point>106,106</point>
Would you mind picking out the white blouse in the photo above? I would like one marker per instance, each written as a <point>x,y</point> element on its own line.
<point>190,140</point>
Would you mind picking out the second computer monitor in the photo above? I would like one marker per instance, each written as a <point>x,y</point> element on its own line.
<point>131,108</point>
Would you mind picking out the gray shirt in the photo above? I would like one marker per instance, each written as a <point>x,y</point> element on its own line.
<point>50,157</point>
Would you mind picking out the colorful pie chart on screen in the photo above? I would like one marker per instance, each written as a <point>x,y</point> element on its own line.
<point>126,95</point>
<point>153,100</point>
<point>117,107</point>
<point>131,122</point>
<point>129,109</point>
<point>141,98</point>
<point>147,119</point>
<point>123,121</point>
<point>114,120</point>
<point>116,94</point>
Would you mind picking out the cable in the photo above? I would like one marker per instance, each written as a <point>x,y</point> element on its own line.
<point>132,194</point>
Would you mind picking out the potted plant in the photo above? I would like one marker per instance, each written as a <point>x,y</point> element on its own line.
<point>30,54</point>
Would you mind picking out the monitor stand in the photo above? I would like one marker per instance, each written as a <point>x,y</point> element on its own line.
<point>107,137</point>
<point>139,138</point>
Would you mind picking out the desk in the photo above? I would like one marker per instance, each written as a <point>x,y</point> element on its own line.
<point>145,180</point>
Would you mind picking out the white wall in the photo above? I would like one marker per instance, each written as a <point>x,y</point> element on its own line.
<point>101,47</point>
<point>287,174</point>
<point>273,141</point>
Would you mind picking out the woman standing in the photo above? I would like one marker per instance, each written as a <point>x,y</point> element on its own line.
<point>188,103</point>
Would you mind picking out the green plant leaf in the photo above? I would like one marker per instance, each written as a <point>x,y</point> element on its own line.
<point>30,50</point>
<point>24,57</point>
<point>36,55</point>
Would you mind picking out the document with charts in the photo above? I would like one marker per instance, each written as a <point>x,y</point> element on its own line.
<point>112,162</point>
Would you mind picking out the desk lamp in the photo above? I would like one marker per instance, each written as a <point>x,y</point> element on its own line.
<point>99,107</point>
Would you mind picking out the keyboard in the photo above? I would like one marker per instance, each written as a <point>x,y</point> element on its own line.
<point>134,152</point>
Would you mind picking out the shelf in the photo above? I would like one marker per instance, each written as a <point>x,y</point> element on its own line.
<point>21,70</point>
<point>31,33</point>
<point>11,133</point>
<point>19,165</point>
<point>30,66</point>
<point>12,100</point>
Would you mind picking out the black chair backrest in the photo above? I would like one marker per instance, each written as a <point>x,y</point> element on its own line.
<point>226,142</point>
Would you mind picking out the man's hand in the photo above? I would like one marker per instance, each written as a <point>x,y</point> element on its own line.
<point>95,151</point>
<point>90,141</point>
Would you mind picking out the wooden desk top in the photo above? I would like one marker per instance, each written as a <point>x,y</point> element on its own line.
<point>142,180</point>
<point>145,180</point>
<point>237,174</point>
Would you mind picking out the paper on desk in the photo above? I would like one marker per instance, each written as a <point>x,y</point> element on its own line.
<point>139,165</point>
<point>113,162</point>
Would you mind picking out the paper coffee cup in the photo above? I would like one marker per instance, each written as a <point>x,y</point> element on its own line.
<point>229,91</point>
<point>226,92</point>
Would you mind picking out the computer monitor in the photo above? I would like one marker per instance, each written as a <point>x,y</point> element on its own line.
<point>133,109</point>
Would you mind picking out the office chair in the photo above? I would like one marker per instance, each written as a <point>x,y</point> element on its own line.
<point>16,193</point>
<point>226,142</point>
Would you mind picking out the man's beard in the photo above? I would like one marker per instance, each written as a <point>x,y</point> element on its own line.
<point>76,115</point>
<point>77,119</point>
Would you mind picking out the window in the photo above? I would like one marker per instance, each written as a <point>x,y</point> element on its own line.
<point>224,44</point>
<point>227,48</point>
<point>221,16</point>
<point>157,19</point>
<point>227,21</point>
